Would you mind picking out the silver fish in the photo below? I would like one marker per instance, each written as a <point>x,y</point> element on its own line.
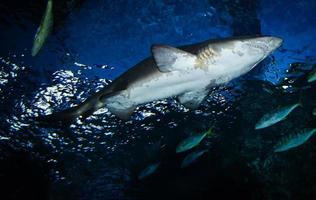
<point>275,116</point>
<point>44,29</point>
<point>294,140</point>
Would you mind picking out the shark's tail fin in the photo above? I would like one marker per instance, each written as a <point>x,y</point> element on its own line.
<point>67,116</point>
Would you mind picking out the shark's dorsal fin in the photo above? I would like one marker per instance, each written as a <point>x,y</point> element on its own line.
<point>172,59</point>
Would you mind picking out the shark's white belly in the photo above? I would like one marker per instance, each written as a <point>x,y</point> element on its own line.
<point>168,85</point>
<point>159,87</point>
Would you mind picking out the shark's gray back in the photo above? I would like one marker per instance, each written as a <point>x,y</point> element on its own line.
<point>146,69</point>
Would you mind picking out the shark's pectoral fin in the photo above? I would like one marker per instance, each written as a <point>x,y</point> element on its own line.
<point>192,99</point>
<point>122,113</point>
<point>172,59</point>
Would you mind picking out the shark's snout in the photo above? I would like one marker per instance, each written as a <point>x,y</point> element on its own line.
<point>274,43</point>
<point>264,45</point>
<point>270,43</point>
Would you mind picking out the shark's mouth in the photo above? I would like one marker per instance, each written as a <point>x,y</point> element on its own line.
<point>260,46</point>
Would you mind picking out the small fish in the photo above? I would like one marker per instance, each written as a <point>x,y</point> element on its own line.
<point>311,76</point>
<point>148,170</point>
<point>275,116</point>
<point>268,90</point>
<point>314,111</point>
<point>192,157</point>
<point>44,29</point>
<point>294,140</point>
<point>192,141</point>
<point>4,138</point>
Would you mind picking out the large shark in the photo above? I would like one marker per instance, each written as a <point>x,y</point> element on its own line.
<point>186,72</point>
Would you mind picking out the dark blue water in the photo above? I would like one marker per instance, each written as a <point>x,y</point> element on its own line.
<point>100,158</point>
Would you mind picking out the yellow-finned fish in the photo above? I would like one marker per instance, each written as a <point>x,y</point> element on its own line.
<point>148,170</point>
<point>311,76</point>
<point>44,29</point>
<point>276,116</point>
<point>295,139</point>
<point>192,141</point>
<point>192,157</point>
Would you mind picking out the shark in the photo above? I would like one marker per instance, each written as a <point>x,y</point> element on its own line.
<point>186,72</point>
